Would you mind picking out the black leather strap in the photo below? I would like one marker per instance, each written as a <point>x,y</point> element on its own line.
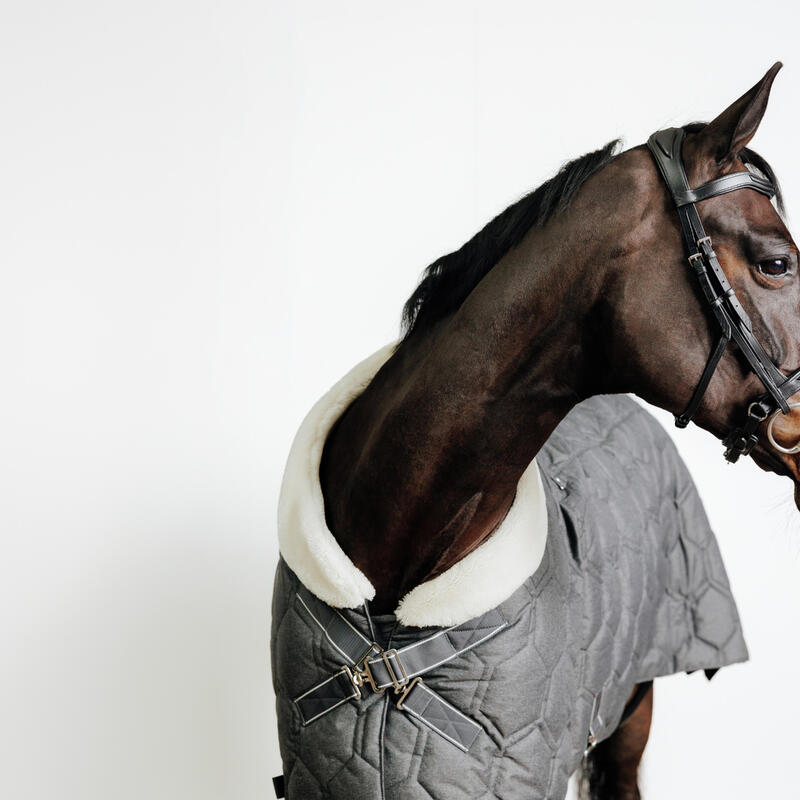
<point>666,147</point>
<point>732,319</point>
<point>682,420</point>
<point>723,185</point>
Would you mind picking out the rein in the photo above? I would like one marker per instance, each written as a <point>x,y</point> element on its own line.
<point>733,321</point>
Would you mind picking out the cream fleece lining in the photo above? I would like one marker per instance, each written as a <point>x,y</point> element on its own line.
<point>479,582</point>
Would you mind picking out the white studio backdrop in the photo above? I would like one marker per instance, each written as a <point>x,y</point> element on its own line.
<point>209,212</point>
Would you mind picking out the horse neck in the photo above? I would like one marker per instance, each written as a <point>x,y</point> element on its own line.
<point>424,464</point>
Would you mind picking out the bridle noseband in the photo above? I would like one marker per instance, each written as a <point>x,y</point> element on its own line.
<point>731,318</point>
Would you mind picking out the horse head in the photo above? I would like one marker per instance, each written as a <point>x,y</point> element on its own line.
<point>715,337</point>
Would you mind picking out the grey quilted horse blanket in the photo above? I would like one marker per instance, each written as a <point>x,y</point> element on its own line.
<point>629,586</point>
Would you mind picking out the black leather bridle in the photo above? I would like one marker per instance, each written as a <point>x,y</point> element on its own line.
<point>731,318</point>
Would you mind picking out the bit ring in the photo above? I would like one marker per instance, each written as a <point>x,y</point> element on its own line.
<point>778,447</point>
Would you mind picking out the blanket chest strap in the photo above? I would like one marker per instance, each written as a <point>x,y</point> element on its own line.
<point>369,665</point>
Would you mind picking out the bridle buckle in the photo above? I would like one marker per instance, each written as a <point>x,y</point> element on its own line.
<point>741,441</point>
<point>693,256</point>
<point>751,411</point>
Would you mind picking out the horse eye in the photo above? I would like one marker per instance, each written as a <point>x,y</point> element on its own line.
<point>774,267</point>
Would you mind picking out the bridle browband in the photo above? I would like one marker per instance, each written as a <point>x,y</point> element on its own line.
<point>727,310</point>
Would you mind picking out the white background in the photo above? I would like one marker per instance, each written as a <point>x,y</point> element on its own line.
<point>210,211</point>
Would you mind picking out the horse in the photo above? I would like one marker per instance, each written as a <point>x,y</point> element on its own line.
<point>579,289</point>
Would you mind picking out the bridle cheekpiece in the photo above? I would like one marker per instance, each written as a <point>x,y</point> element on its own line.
<point>732,320</point>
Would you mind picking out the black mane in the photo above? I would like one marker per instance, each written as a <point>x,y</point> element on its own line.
<point>447,281</point>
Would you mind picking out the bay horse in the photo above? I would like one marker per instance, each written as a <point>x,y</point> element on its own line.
<point>580,288</point>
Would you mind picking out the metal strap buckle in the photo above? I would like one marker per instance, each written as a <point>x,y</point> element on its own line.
<point>398,677</point>
<point>756,406</point>
<point>363,671</point>
<point>367,675</point>
<point>355,679</point>
<point>739,443</point>
<point>702,251</point>
<point>407,692</point>
<point>373,648</point>
<point>397,681</point>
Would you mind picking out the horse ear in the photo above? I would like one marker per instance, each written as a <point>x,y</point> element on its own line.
<point>725,136</point>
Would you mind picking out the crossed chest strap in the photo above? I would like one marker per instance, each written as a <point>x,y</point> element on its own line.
<point>368,667</point>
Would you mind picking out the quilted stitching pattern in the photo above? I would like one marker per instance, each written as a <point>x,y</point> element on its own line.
<point>631,586</point>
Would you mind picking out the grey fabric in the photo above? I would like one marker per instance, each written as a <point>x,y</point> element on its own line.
<point>435,712</point>
<point>327,695</point>
<point>631,587</point>
<point>369,667</point>
<point>343,635</point>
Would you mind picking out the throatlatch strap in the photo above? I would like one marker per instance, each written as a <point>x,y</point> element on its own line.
<point>368,665</point>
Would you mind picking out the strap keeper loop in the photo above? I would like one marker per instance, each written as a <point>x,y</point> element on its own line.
<point>398,681</point>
